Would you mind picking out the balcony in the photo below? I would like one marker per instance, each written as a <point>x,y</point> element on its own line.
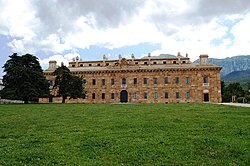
<point>205,84</point>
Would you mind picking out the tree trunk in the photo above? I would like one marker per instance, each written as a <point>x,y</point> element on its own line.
<point>63,99</point>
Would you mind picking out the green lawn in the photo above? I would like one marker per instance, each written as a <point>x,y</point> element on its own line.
<point>124,134</point>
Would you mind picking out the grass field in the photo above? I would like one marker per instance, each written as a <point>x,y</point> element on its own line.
<point>124,134</point>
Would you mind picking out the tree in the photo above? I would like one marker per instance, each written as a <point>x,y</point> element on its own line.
<point>233,89</point>
<point>24,79</point>
<point>67,84</point>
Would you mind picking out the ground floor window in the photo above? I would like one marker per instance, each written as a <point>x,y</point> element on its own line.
<point>93,95</point>
<point>145,95</point>
<point>135,95</point>
<point>155,95</point>
<point>103,95</point>
<point>177,95</point>
<point>187,95</point>
<point>166,95</point>
<point>112,96</point>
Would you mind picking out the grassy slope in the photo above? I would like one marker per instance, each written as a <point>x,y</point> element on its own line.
<point>105,134</point>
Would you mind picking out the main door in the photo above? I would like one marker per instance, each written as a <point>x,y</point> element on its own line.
<point>124,96</point>
<point>206,97</point>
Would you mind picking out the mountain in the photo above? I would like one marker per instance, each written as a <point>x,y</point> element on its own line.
<point>237,76</point>
<point>236,63</point>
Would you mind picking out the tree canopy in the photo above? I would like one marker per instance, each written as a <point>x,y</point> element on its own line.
<point>24,79</point>
<point>67,84</point>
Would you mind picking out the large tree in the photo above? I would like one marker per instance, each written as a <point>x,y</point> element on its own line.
<point>232,89</point>
<point>24,79</point>
<point>67,84</point>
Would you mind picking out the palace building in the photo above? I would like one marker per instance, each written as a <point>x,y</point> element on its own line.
<point>162,79</point>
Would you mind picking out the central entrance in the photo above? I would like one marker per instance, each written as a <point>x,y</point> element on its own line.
<point>206,97</point>
<point>124,96</point>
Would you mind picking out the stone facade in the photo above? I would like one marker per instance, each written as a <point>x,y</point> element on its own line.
<point>146,80</point>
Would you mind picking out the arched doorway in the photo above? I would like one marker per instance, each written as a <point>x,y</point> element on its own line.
<point>124,96</point>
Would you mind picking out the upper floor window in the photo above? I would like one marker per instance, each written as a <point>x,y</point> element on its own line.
<point>81,65</point>
<point>174,62</point>
<point>187,80</point>
<point>155,80</point>
<point>112,81</point>
<point>154,63</point>
<point>164,62</point>
<point>93,82</point>
<point>166,80</point>
<point>135,80</point>
<point>145,80</point>
<point>90,64</point>
<point>84,82</point>
<point>145,63</point>
<point>177,80</point>
<point>103,81</point>
<point>205,79</point>
<point>124,81</point>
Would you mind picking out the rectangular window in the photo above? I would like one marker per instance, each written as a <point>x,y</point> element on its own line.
<point>93,95</point>
<point>154,63</point>
<point>155,95</point>
<point>164,62</point>
<point>124,81</point>
<point>155,80</point>
<point>112,81</point>
<point>103,95</point>
<point>145,80</point>
<point>187,95</point>
<point>166,95</point>
<point>187,80</point>
<point>145,95</point>
<point>145,63</point>
<point>103,81</point>
<point>205,79</point>
<point>112,96</point>
<point>177,94</point>
<point>135,80</point>
<point>94,82</point>
<point>84,82</point>
<point>166,80</point>
<point>177,80</point>
<point>135,95</point>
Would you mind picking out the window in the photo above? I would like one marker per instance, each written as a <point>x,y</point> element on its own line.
<point>164,62</point>
<point>177,94</point>
<point>112,81</point>
<point>103,81</point>
<point>90,64</point>
<point>73,65</point>
<point>145,63</point>
<point>145,95</point>
<point>112,96</point>
<point>183,61</point>
<point>84,82</point>
<point>166,80</point>
<point>135,80</point>
<point>107,64</point>
<point>155,95</point>
<point>187,80</point>
<point>103,95</point>
<point>51,83</point>
<point>124,81</point>
<point>135,95</point>
<point>94,82</point>
<point>205,79</point>
<point>166,95</point>
<point>155,80</point>
<point>136,63</point>
<point>177,80</point>
<point>187,95</point>
<point>93,95</point>
<point>174,62</point>
<point>145,80</point>
<point>98,64</point>
<point>81,65</point>
<point>154,63</point>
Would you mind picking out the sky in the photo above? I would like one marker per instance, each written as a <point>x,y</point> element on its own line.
<point>64,29</point>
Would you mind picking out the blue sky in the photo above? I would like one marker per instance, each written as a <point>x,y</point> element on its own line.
<point>63,29</point>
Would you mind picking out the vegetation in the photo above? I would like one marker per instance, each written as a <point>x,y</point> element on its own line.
<point>127,134</point>
<point>235,89</point>
<point>24,79</point>
<point>67,84</point>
